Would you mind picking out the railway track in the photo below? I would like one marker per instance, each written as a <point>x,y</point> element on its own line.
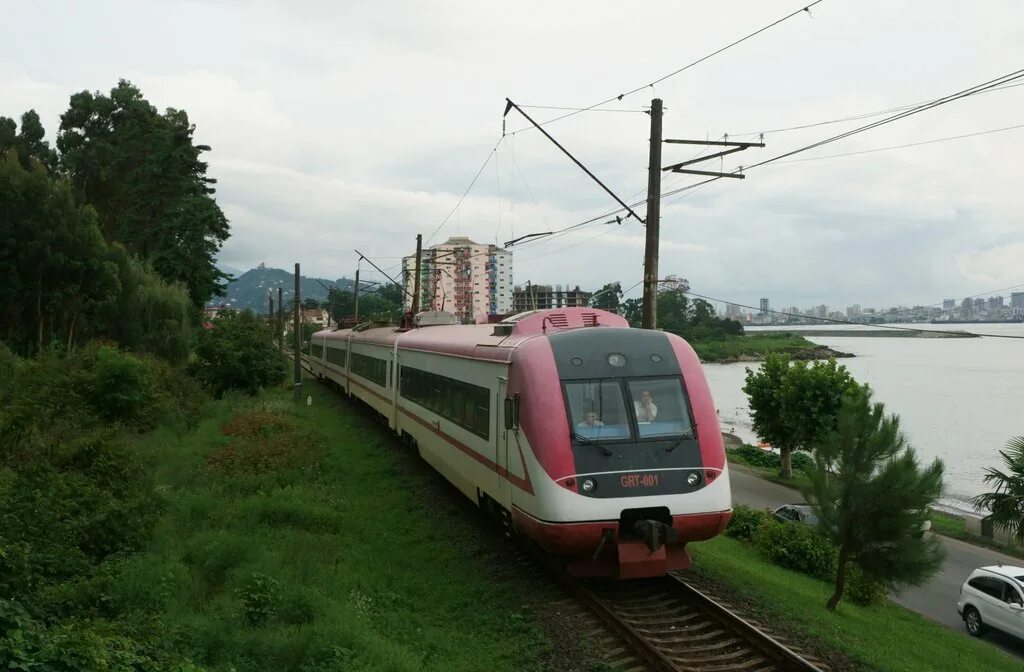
<point>667,624</point>
<point>674,627</point>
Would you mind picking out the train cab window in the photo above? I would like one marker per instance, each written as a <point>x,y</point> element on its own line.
<point>597,411</point>
<point>660,407</point>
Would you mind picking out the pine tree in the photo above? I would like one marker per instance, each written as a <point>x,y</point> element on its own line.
<point>872,497</point>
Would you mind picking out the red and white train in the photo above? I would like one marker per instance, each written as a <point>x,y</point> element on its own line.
<point>598,441</point>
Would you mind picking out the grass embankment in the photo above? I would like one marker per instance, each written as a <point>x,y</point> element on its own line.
<point>294,539</point>
<point>882,637</point>
<point>751,347</point>
<point>798,482</point>
<point>954,526</point>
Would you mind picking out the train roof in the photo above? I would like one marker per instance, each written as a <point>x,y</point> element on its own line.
<point>482,341</point>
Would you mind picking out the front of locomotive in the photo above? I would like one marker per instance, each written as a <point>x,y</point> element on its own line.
<point>628,448</point>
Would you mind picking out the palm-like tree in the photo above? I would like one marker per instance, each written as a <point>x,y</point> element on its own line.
<point>1006,502</point>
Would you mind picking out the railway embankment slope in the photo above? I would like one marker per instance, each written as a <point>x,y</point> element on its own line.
<point>307,538</point>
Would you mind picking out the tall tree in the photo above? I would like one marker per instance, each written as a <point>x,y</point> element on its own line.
<point>52,259</point>
<point>1006,502</point>
<point>794,404</point>
<point>29,142</point>
<point>608,297</point>
<point>142,172</point>
<point>632,310</point>
<point>872,497</point>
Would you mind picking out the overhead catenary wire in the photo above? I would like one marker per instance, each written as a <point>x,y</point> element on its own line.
<point>909,144</point>
<point>858,117</point>
<point>463,197</point>
<point>806,8</point>
<point>1012,76</point>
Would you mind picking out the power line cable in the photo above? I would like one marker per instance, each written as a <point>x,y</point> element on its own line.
<point>857,117</point>
<point>463,197</point>
<point>1012,76</point>
<point>910,144</point>
<point>686,67</point>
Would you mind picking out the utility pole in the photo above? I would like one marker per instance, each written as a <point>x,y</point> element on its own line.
<point>650,300</point>
<point>298,340</point>
<point>270,315</point>
<point>356,290</point>
<point>416,279</point>
<point>280,318</point>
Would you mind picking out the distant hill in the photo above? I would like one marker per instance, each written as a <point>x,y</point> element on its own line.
<point>250,289</point>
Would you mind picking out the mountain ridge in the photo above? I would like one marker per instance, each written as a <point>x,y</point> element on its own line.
<point>250,289</point>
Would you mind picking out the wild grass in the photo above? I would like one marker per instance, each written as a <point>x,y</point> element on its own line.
<point>883,637</point>
<point>328,561</point>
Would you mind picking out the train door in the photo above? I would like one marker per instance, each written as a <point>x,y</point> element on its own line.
<point>394,380</point>
<point>502,436</point>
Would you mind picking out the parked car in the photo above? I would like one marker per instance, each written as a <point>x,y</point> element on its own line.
<point>993,597</point>
<point>804,513</point>
<point>796,513</point>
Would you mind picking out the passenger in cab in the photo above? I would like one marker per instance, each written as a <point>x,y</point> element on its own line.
<point>646,410</point>
<point>590,420</point>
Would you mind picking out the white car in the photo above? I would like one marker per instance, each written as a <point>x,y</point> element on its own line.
<point>993,597</point>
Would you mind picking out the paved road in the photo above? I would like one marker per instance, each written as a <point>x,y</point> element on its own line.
<point>935,599</point>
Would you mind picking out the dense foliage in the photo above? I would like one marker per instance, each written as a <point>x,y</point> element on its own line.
<point>757,457</point>
<point>115,237</point>
<point>693,319</point>
<point>53,262</point>
<point>800,548</point>
<point>795,404</point>
<point>141,170</point>
<point>608,297</point>
<point>872,497</point>
<point>383,304</point>
<point>237,353</point>
<point>75,501</point>
<point>1006,502</point>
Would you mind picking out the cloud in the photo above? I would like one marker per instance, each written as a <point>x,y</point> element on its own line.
<point>344,126</point>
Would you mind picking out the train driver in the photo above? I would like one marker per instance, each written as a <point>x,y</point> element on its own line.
<point>590,420</point>
<point>646,410</point>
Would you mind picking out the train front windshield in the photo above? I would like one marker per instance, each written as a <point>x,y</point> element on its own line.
<point>627,409</point>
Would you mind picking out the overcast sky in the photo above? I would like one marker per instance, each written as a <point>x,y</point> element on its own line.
<point>343,125</point>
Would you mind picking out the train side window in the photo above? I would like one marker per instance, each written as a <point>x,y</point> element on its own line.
<point>336,356</point>
<point>462,403</point>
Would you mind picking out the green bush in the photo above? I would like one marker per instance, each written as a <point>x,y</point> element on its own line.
<point>121,388</point>
<point>746,521</point>
<point>236,353</point>
<point>72,646</point>
<point>260,597</point>
<point>797,547</point>
<point>862,589</point>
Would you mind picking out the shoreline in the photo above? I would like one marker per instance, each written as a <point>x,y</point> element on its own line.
<point>908,332</point>
<point>805,354</point>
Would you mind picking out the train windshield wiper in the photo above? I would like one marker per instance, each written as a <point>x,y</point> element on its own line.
<point>578,438</point>
<point>692,434</point>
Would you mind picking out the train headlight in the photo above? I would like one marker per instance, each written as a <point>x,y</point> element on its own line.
<point>588,484</point>
<point>693,479</point>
